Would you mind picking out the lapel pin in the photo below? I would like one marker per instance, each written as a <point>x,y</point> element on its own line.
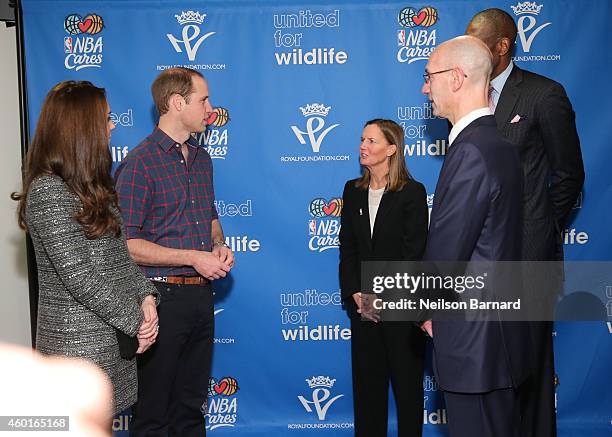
<point>360,211</point>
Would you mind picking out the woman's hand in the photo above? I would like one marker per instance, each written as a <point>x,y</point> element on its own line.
<point>149,328</point>
<point>144,344</point>
<point>369,312</point>
<point>357,299</point>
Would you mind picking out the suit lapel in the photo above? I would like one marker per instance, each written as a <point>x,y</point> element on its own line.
<point>508,98</point>
<point>364,216</point>
<point>386,202</point>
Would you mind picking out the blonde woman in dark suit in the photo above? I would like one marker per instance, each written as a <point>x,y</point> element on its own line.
<point>384,218</point>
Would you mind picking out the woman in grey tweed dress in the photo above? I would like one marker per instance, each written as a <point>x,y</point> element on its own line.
<point>88,284</point>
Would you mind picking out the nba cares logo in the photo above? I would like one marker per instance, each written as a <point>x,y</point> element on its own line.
<point>191,21</point>
<point>324,227</point>
<point>215,138</point>
<point>417,39</point>
<point>83,47</point>
<point>221,408</point>
<point>321,396</point>
<point>315,125</point>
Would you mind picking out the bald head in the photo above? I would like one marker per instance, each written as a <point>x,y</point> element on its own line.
<point>457,79</point>
<point>467,53</point>
<point>497,30</point>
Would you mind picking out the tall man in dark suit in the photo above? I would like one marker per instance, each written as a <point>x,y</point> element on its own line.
<point>476,217</point>
<point>534,113</point>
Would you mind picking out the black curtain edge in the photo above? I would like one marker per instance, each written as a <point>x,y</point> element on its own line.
<point>25,141</point>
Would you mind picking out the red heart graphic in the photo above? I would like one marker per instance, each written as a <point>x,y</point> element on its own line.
<point>85,25</point>
<point>330,208</point>
<point>219,388</point>
<point>418,19</point>
<point>212,117</point>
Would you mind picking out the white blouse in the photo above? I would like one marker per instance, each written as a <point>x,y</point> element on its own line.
<point>374,197</point>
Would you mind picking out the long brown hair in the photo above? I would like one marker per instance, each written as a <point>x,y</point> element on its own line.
<point>398,172</point>
<point>71,141</point>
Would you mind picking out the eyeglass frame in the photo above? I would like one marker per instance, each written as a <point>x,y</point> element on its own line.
<point>427,76</point>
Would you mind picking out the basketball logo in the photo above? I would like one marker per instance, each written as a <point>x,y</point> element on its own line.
<point>97,24</point>
<point>227,386</point>
<point>219,117</point>
<point>430,16</point>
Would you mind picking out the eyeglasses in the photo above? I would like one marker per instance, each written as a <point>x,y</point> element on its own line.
<point>427,76</point>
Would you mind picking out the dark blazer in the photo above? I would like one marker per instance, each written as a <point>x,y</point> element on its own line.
<point>477,217</point>
<point>400,232</point>
<point>549,149</point>
<point>553,174</point>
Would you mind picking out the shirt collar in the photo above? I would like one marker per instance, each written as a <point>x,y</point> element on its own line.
<point>465,121</point>
<point>499,82</point>
<point>166,143</point>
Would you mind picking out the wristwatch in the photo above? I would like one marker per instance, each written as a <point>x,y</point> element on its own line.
<point>220,243</point>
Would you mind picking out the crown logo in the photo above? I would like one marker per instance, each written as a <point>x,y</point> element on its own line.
<point>320,381</point>
<point>190,17</point>
<point>315,109</point>
<point>526,8</point>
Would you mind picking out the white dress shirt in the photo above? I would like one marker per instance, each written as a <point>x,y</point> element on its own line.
<point>465,120</point>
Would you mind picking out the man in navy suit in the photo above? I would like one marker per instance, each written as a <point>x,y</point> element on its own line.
<point>476,217</point>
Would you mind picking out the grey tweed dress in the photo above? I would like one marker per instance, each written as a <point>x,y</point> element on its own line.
<point>87,287</point>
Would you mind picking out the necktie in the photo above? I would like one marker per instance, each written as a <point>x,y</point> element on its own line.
<point>491,99</point>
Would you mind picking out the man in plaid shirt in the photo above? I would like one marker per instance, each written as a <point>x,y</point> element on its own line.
<point>166,194</point>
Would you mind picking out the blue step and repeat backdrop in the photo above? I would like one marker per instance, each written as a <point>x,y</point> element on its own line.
<point>293,83</point>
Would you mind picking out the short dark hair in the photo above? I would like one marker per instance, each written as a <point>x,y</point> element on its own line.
<point>177,80</point>
<point>499,22</point>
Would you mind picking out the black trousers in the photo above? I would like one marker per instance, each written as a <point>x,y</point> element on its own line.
<point>382,353</point>
<point>538,392</point>
<point>173,374</point>
<point>492,414</point>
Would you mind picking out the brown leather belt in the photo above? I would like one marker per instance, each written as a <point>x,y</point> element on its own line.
<point>183,280</point>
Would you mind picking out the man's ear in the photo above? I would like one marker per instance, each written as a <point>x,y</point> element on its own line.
<point>457,78</point>
<point>503,46</point>
<point>176,101</point>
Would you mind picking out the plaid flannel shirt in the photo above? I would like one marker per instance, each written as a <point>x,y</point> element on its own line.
<point>165,200</point>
